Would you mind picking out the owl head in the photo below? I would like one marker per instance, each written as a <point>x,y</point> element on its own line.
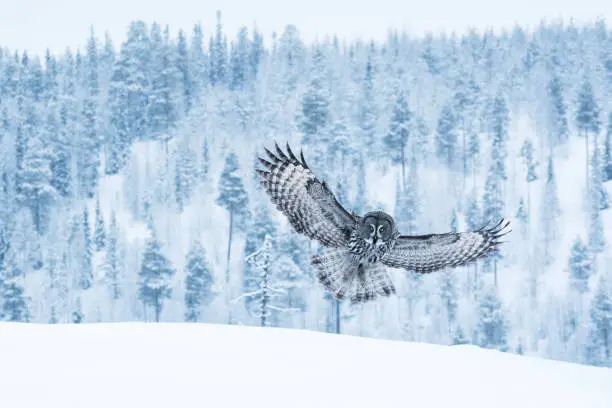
<point>377,228</point>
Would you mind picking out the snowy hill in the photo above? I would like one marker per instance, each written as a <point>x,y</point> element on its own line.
<point>183,365</point>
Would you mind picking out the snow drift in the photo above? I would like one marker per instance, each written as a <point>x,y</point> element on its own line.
<point>199,365</point>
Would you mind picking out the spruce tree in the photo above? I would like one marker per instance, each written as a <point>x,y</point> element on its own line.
<point>198,284</point>
<point>558,132</point>
<point>580,267</point>
<point>587,117</point>
<point>99,229</point>
<point>549,214</point>
<point>155,274</point>
<point>607,155</point>
<point>232,197</point>
<point>446,136</point>
<point>492,326</point>
<point>598,347</point>
<point>396,139</point>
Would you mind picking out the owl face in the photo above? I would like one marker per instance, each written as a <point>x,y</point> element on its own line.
<point>377,228</point>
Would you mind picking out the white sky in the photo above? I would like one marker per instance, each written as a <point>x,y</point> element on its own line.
<point>37,24</point>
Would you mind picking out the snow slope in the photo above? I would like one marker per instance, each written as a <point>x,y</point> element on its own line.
<point>199,365</point>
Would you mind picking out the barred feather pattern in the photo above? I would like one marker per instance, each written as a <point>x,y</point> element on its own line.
<point>429,253</point>
<point>343,275</point>
<point>308,204</point>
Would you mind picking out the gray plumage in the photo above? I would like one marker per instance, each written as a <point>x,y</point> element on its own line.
<point>360,248</point>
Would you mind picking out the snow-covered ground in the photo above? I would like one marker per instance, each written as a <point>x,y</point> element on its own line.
<point>199,365</point>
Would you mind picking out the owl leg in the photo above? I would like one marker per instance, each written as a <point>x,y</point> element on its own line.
<point>372,280</point>
<point>336,270</point>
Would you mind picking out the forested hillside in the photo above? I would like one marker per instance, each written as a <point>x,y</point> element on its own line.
<point>128,191</point>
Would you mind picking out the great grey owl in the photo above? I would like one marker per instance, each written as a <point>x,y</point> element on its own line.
<point>359,248</point>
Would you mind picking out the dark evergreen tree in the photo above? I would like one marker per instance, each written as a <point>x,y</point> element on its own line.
<point>587,116</point>
<point>34,183</point>
<point>558,127</point>
<point>261,224</point>
<point>183,75</point>
<point>367,111</point>
<point>607,155</point>
<point>446,137</point>
<point>492,327</point>
<point>315,116</point>
<point>598,201</point>
<point>13,303</point>
<point>499,129</point>
<point>598,347</point>
<point>407,208</point>
<point>232,197</point>
<point>77,315</point>
<point>473,216</point>
<point>99,229</point>
<point>198,284</point>
<point>198,62</point>
<point>396,139</point>
<point>86,267</point>
<point>88,155</point>
<point>113,264</point>
<point>155,274</point>
<point>240,69</point>
<point>218,55</point>
<point>549,214</point>
<point>580,267</point>
<point>162,102</point>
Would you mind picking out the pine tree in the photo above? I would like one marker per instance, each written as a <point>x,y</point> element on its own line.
<point>492,327</point>
<point>407,202</point>
<point>34,183</point>
<point>99,229</point>
<point>232,197</point>
<point>449,297</point>
<point>218,55</point>
<point>77,315</point>
<point>367,112</point>
<point>446,136</point>
<point>198,284</point>
<point>473,216</point>
<point>86,267</point>
<point>155,274</point>
<point>315,116</point>
<point>184,74</point>
<point>598,201</point>
<point>13,303</point>
<point>239,61</point>
<point>558,132</point>
<point>499,129</point>
<point>587,116</point>
<point>113,256</point>
<point>580,267</point>
<point>163,102</point>
<point>549,214</point>
<point>396,139</point>
<point>261,224</point>
<point>522,217</point>
<point>607,155</point>
<point>531,165</point>
<point>598,348</point>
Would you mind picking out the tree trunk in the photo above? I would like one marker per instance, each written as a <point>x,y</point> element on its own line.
<point>157,308</point>
<point>586,138</point>
<point>227,267</point>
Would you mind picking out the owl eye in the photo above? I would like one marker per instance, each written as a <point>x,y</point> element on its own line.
<point>381,229</point>
<point>371,228</point>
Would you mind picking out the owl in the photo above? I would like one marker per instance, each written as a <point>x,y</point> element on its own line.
<point>359,249</point>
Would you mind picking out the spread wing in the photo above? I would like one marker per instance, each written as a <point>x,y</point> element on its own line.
<point>308,203</point>
<point>429,253</point>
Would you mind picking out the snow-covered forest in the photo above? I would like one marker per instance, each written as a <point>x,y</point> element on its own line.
<point>128,191</point>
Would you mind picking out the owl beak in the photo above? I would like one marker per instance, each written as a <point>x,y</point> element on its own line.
<point>374,239</point>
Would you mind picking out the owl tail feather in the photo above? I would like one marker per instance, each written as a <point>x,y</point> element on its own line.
<point>342,275</point>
